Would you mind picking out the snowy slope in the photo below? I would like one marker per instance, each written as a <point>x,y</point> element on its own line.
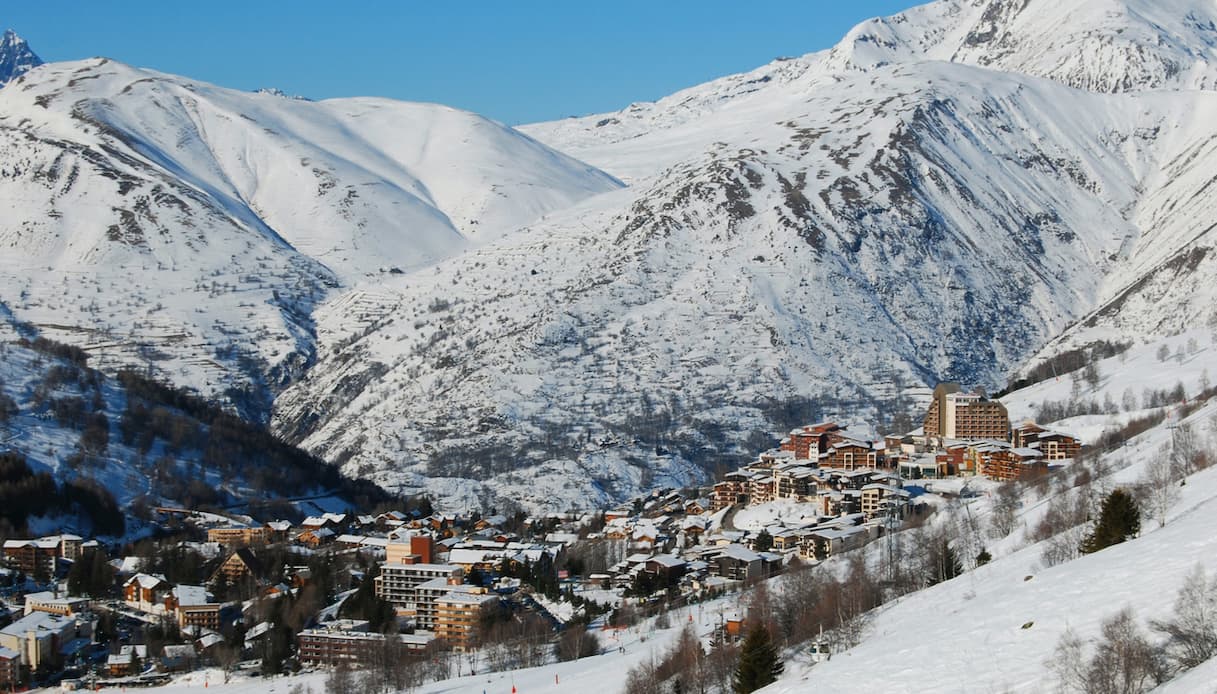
<point>981,614</point>
<point>994,628</point>
<point>155,219</point>
<point>1096,45</point>
<point>937,197</point>
<point>913,223</point>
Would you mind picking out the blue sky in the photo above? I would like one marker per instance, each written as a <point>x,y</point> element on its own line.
<point>517,62</point>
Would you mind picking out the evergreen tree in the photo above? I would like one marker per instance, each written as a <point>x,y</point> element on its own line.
<point>759,663</point>
<point>764,541</point>
<point>1119,520</point>
<point>366,604</point>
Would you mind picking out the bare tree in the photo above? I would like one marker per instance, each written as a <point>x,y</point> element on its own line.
<point>1004,516</point>
<point>1063,547</point>
<point>1124,661</point>
<point>1068,662</point>
<point>1158,487</point>
<point>720,665</point>
<point>1185,448</point>
<point>341,680</point>
<point>642,679</point>
<point>1192,631</point>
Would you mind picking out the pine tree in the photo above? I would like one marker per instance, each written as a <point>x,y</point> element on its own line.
<point>1119,520</point>
<point>759,664</point>
<point>764,541</point>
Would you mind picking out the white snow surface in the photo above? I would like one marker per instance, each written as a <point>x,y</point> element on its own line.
<point>156,219</point>
<point>944,638</point>
<point>445,305</point>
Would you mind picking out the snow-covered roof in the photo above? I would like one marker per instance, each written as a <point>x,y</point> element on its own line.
<point>191,595</point>
<point>455,598</point>
<point>740,553</point>
<point>210,639</point>
<point>667,560</point>
<point>147,581</point>
<point>38,622</point>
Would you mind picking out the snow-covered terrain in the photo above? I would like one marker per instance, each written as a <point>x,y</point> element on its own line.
<point>993,628</point>
<point>820,230</point>
<point>440,303</point>
<point>156,219</point>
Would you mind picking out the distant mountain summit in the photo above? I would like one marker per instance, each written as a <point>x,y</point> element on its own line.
<point>16,58</point>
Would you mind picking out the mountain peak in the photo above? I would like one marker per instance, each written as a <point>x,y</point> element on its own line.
<point>16,58</point>
<point>1096,45</point>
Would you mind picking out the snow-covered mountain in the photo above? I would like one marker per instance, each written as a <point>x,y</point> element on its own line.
<point>1095,45</point>
<point>800,239</point>
<point>160,220</point>
<point>16,57</point>
<point>438,302</point>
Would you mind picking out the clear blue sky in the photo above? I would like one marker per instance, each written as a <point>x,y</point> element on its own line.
<point>517,62</point>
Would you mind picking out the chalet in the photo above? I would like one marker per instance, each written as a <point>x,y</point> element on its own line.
<point>666,567</point>
<point>477,559</point>
<point>825,542</point>
<point>177,658</point>
<point>146,592</point>
<point>238,566</point>
<point>316,537</point>
<point>279,530</point>
<point>644,537</point>
<point>851,454</point>
<point>693,527</point>
<point>737,563</point>
<point>336,522</point>
<point>1009,463</point>
<point>391,520</point>
<point>786,539</point>
<point>127,662</point>
<point>619,513</point>
<point>696,507</point>
<point>1054,445</point>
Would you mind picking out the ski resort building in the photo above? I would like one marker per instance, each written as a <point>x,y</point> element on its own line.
<point>954,415</point>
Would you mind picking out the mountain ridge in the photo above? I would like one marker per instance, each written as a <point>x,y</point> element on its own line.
<point>821,237</point>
